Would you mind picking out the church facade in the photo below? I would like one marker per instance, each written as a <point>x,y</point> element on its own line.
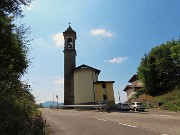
<point>81,85</point>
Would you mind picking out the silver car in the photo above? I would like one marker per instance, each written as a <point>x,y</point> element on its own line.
<point>137,106</point>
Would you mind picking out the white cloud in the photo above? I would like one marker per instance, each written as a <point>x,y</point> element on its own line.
<point>42,42</point>
<point>101,32</point>
<point>59,80</point>
<point>117,60</point>
<point>59,39</point>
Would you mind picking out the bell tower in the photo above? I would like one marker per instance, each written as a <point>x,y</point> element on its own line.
<point>69,65</point>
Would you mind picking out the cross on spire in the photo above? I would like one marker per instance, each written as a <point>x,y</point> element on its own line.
<point>69,23</point>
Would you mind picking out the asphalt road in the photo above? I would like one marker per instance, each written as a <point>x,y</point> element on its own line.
<point>73,122</point>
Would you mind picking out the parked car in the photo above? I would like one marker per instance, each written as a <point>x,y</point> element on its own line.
<point>103,105</point>
<point>122,107</point>
<point>137,106</point>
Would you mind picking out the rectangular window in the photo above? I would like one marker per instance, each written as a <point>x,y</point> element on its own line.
<point>105,97</point>
<point>104,85</point>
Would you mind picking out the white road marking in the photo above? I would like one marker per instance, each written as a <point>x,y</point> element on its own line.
<point>127,125</point>
<point>102,119</point>
<point>118,123</point>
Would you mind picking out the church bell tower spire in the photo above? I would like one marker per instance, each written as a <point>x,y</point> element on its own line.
<point>69,65</point>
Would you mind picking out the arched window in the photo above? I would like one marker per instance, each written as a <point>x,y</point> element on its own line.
<point>69,43</point>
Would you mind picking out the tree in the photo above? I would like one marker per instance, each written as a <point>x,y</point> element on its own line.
<point>13,43</point>
<point>13,50</point>
<point>18,110</point>
<point>159,70</point>
<point>13,7</point>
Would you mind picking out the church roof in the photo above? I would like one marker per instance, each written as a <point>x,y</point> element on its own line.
<point>69,30</point>
<point>88,67</point>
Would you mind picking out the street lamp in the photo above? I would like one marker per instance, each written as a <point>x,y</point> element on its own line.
<point>119,97</point>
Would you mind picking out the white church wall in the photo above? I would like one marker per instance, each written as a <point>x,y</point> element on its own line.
<point>83,86</point>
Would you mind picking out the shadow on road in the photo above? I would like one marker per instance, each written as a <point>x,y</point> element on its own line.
<point>140,112</point>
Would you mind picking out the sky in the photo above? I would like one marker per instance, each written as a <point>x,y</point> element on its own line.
<point>112,36</point>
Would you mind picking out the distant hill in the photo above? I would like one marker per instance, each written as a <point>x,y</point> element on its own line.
<point>50,104</point>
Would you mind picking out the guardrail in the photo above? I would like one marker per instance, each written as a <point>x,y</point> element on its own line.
<point>83,106</point>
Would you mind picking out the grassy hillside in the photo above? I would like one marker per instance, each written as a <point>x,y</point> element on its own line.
<point>170,100</point>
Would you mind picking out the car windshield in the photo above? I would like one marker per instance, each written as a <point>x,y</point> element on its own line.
<point>139,103</point>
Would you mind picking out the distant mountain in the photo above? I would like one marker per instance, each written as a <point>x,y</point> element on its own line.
<point>50,104</point>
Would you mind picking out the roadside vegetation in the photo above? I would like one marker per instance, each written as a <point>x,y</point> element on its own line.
<point>159,71</point>
<point>170,100</point>
<point>19,114</point>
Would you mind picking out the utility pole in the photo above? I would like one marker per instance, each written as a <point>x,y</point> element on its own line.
<point>119,97</point>
<point>57,100</point>
<point>53,100</point>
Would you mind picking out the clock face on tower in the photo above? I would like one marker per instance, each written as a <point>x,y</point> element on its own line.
<point>69,43</point>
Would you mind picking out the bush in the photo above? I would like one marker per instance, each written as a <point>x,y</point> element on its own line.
<point>19,114</point>
<point>170,101</point>
<point>172,106</point>
<point>140,92</point>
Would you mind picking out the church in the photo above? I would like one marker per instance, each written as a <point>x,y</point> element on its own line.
<point>81,84</point>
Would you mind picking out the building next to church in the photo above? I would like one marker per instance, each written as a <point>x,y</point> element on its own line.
<point>81,84</point>
<point>133,88</point>
<point>87,88</point>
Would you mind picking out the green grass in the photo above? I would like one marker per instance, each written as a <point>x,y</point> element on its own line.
<point>170,101</point>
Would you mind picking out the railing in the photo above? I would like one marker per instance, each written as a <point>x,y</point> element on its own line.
<point>104,106</point>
